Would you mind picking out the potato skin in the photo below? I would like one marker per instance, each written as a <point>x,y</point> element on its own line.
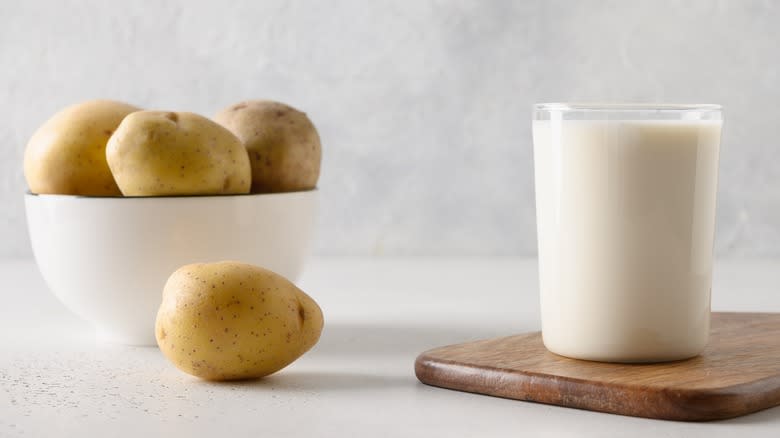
<point>160,153</point>
<point>230,320</point>
<point>283,144</point>
<point>67,154</point>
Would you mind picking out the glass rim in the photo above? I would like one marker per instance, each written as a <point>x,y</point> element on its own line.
<point>627,107</point>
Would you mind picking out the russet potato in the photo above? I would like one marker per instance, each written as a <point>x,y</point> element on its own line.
<point>283,144</point>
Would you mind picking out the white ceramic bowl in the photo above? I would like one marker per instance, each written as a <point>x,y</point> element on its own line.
<point>107,259</point>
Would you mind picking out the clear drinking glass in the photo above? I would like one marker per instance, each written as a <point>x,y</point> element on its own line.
<point>625,204</point>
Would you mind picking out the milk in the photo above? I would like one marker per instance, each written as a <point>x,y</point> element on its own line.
<point>625,219</point>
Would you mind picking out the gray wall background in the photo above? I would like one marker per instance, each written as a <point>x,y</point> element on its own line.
<point>423,106</point>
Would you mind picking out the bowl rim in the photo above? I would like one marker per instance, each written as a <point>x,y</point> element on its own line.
<point>28,193</point>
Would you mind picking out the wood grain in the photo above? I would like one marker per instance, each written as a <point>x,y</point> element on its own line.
<point>738,373</point>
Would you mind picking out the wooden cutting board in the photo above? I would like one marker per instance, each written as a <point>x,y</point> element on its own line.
<point>737,374</point>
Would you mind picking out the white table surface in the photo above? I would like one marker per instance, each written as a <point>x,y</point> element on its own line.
<point>57,380</point>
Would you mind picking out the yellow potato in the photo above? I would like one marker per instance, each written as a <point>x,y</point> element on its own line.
<point>158,153</point>
<point>229,320</point>
<point>283,144</point>
<point>67,154</point>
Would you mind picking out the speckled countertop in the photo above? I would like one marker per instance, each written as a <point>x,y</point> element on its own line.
<point>57,380</point>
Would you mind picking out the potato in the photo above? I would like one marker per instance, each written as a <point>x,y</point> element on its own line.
<point>67,154</point>
<point>158,153</point>
<point>229,320</point>
<point>283,144</point>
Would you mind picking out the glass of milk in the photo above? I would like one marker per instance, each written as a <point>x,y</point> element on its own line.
<point>625,205</point>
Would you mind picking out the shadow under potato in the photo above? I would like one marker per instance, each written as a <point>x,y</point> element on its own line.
<point>330,381</point>
<point>386,339</point>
